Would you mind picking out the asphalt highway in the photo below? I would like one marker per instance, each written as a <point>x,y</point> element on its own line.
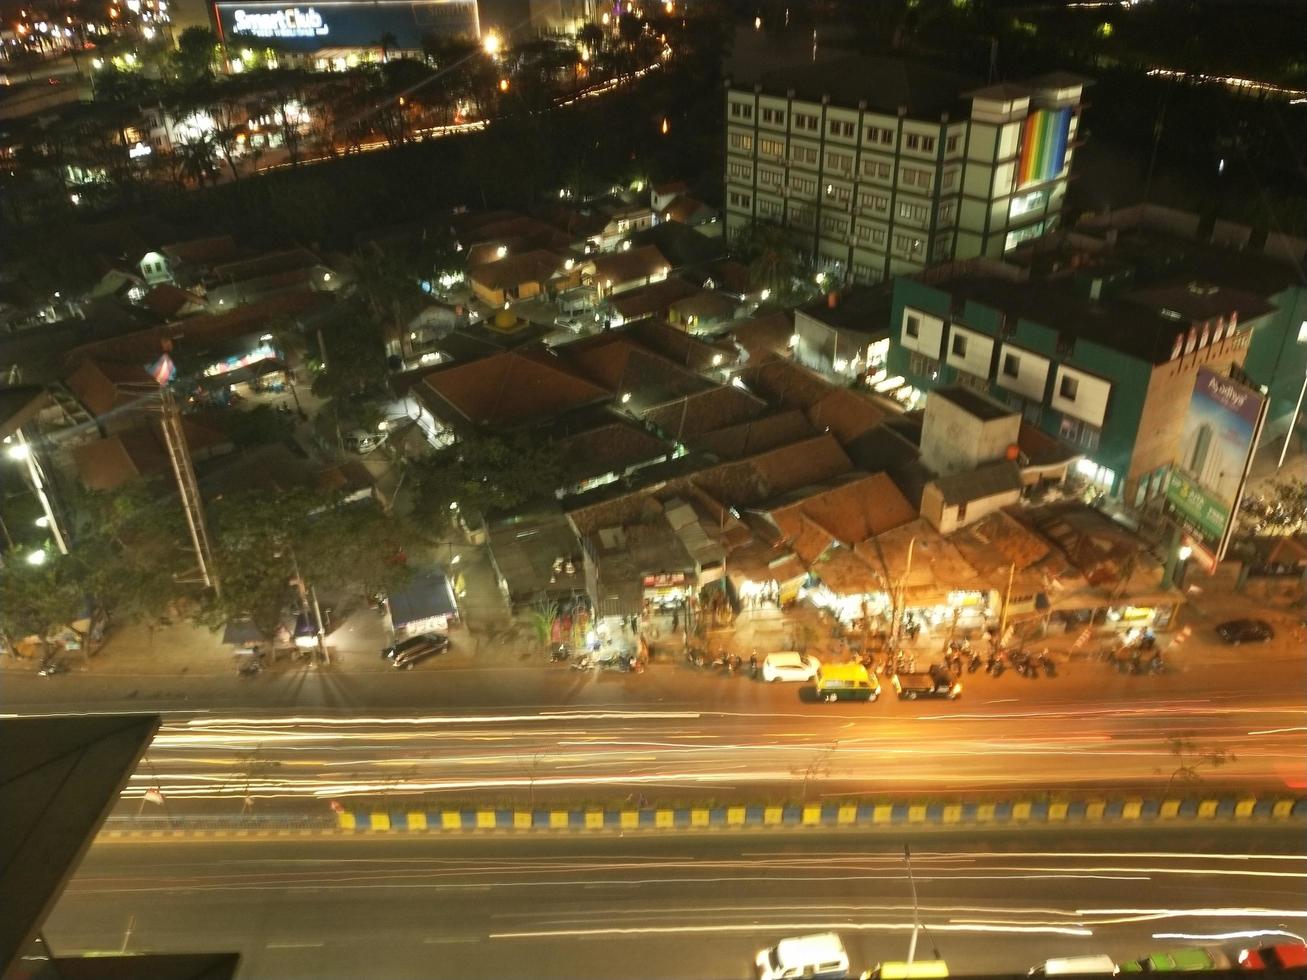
<point>690,906</point>
<point>220,764</point>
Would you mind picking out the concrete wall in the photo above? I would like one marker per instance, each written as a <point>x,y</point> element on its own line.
<point>953,440</point>
<point>947,518</point>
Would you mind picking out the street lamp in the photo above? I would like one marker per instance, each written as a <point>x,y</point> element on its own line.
<point>36,557</point>
<point>1184,553</point>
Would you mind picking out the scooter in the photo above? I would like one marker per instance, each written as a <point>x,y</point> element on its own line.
<point>974,664</point>
<point>51,667</point>
<point>251,668</point>
<point>1046,662</point>
<point>558,653</point>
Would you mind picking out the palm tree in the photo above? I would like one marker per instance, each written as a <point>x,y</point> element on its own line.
<point>199,159</point>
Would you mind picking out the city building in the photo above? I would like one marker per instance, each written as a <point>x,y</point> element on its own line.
<point>846,333</point>
<point>881,167</point>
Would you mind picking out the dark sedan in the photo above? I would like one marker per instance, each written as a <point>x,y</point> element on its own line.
<point>1237,631</point>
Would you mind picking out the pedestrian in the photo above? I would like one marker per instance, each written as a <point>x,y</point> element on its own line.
<point>676,620</point>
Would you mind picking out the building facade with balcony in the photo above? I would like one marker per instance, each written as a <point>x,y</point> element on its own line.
<point>882,167</point>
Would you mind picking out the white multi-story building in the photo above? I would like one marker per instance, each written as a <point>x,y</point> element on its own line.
<point>882,167</point>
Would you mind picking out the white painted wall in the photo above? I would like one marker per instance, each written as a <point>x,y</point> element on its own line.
<point>979,351</point>
<point>1032,373</point>
<point>1090,402</point>
<point>930,334</point>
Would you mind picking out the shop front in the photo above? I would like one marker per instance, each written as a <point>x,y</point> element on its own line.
<point>947,612</point>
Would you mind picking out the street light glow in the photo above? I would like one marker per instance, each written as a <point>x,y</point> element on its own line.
<point>19,451</point>
<point>36,557</point>
<point>491,43</point>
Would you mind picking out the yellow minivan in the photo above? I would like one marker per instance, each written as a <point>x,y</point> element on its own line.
<point>846,682</point>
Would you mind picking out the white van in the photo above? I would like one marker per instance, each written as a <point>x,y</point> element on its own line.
<point>819,955</point>
<point>1075,965</point>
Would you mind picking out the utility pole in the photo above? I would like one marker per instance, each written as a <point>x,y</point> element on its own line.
<point>188,489</point>
<point>901,596</point>
<point>916,910</point>
<point>1007,598</point>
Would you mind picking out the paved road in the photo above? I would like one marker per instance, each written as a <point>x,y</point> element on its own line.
<point>683,907</point>
<point>774,744</point>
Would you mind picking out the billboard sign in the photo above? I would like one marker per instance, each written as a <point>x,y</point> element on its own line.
<point>1216,449</point>
<point>309,27</point>
<point>1044,138</point>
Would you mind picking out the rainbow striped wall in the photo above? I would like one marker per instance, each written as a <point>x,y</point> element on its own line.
<point>1043,145</point>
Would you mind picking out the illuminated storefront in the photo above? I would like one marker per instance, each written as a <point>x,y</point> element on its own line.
<point>338,34</point>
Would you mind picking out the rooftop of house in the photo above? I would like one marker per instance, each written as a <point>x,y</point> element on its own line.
<point>762,336</point>
<point>259,266</point>
<point>680,244</point>
<point>705,305</point>
<point>637,263</point>
<point>610,447</point>
<point>843,411</point>
<point>537,265</point>
<point>199,333</point>
<point>697,413</point>
<point>202,251</point>
<point>507,389</point>
<point>1127,327</point>
<point>854,509</point>
<point>684,209</point>
<point>972,402</point>
<point>138,452</point>
<point>863,309</point>
<point>688,350</point>
<point>467,343</point>
<point>653,300</point>
<point>102,386</point>
<point>984,481</point>
<point>753,436</point>
<point>671,187</point>
<point>624,366</point>
<point>884,84</point>
<point>526,550</point>
<point>168,300</point>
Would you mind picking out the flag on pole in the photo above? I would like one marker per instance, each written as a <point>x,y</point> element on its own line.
<point>154,795</point>
<point>163,370</point>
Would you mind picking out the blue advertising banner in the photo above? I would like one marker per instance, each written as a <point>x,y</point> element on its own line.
<point>313,27</point>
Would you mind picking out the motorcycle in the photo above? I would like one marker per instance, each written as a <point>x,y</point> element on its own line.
<point>1046,662</point>
<point>558,653</point>
<point>974,664</point>
<point>51,667</point>
<point>753,666</point>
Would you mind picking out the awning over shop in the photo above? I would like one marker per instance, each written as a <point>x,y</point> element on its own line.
<point>242,375</point>
<point>242,633</point>
<point>425,596</point>
<point>1094,599</point>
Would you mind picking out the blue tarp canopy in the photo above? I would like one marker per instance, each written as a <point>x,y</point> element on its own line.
<point>425,595</point>
<point>242,633</point>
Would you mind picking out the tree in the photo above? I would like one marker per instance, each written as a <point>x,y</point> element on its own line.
<point>483,474</point>
<point>770,252</point>
<point>196,54</point>
<point>38,600</point>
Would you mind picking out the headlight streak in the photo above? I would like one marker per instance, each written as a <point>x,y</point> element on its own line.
<point>1222,936</point>
<point>786,926</point>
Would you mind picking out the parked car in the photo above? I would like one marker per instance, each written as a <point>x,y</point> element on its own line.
<point>406,653</point>
<point>846,682</point>
<point>576,324</point>
<point>362,442</point>
<point>934,683</point>
<point>1179,961</point>
<point>1285,956</point>
<point>1236,631</point>
<point>790,666</point>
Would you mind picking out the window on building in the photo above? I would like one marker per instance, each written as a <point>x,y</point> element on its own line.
<point>802,217</point>
<point>742,171</point>
<point>842,162</point>
<point>740,110</point>
<point>916,178</point>
<point>951,144</point>
<point>802,186</point>
<point>1011,366</point>
<point>928,144</point>
<point>834,225</point>
<point>908,245</point>
<point>769,209</point>
<point>912,141</point>
<point>948,178</point>
<point>959,345</point>
<point>837,127</point>
<point>1079,433</point>
<point>804,154</point>
<point>774,178</point>
<point>865,273</point>
<point>1068,387</point>
<point>923,366</point>
<point>742,141</point>
<point>973,381</point>
<point>774,117</point>
<point>804,120</point>
<point>877,169</point>
<point>912,326</point>
<point>838,193</point>
<point>872,201</point>
<point>913,212</point>
<point>739,200</point>
<point>946,213</point>
<point>771,148</point>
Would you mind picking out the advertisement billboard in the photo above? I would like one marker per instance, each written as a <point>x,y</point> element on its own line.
<point>1221,430</point>
<point>1043,145</point>
<point>347,24</point>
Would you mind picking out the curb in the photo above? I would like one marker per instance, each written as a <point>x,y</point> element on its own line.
<point>1090,811</point>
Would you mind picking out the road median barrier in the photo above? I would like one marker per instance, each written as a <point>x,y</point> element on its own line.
<point>376,818</point>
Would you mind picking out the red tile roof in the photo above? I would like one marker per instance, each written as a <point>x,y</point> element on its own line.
<point>512,270</point>
<point>99,385</point>
<point>508,389</point>
<point>638,263</point>
<point>848,513</point>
